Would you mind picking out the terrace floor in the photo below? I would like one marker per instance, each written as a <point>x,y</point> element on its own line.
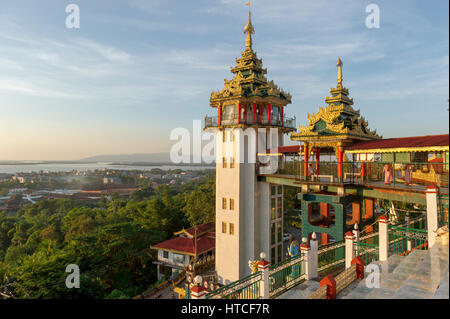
<point>423,274</point>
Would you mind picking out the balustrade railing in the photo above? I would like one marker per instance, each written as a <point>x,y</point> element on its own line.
<point>443,204</point>
<point>403,240</point>
<point>245,288</point>
<point>331,255</point>
<point>285,275</point>
<point>382,173</point>
<point>288,122</point>
<point>367,252</point>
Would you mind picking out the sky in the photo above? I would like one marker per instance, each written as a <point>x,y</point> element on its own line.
<point>137,69</point>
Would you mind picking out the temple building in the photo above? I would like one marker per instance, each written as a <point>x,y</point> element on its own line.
<point>188,245</point>
<point>250,117</point>
<point>356,190</point>
<point>334,127</point>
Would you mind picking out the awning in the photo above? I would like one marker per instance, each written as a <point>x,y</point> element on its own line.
<point>429,143</point>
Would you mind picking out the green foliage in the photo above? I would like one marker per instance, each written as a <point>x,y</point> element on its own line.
<point>4,191</point>
<point>290,199</point>
<point>109,241</point>
<point>200,203</point>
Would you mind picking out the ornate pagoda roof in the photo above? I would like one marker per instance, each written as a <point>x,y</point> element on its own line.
<point>338,121</point>
<point>249,81</point>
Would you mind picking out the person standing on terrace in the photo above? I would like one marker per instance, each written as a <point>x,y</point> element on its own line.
<point>387,170</point>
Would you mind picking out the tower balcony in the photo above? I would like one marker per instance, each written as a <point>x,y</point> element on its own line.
<point>287,123</point>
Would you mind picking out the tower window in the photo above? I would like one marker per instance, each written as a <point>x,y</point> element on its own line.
<point>224,203</point>
<point>231,229</point>
<point>224,136</point>
<point>232,163</point>
<point>224,162</point>
<point>231,204</point>
<point>224,227</point>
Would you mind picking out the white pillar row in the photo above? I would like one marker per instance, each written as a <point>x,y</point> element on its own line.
<point>349,254</point>
<point>432,214</point>
<point>383,224</point>
<point>263,267</point>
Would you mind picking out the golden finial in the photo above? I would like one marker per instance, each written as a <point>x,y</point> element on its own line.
<point>339,77</point>
<point>249,30</point>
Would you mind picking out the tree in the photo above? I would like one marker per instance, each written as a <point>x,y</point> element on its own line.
<point>201,203</point>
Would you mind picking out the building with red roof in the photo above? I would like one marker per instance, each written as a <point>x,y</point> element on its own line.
<point>192,243</point>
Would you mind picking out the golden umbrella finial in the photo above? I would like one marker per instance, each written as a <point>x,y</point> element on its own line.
<point>248,29</point>
<point>339,77</point>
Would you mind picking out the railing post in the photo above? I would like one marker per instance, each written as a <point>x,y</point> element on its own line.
<point>432,214</point>
<point>408,225</point>
<point>263,267</point>
<point>305,250</point>
<point>314,256</point>
<point>383,237</point>
<point>359,267</point>
<point>198,291</point>
<point>348,249</point>
<point>330,282</point>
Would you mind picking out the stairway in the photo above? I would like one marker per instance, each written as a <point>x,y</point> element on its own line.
<point>423,274</point>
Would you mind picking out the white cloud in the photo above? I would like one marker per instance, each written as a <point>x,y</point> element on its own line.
<point>111,54</point>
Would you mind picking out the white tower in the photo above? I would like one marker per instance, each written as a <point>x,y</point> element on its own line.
<point>250,119</point>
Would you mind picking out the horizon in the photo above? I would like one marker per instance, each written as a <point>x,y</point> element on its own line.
<point>136,69</point>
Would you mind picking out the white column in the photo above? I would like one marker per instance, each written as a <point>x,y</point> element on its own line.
<point>432,214</point>
<point>383,223</point>
<point>408,225</point>
<point>305,250</point>
<point>349,255</point>
<point>263,267</point>
<point>314,256</point>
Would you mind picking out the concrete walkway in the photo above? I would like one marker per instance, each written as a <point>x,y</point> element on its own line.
<point>302,291</point>
<point>423,274</point>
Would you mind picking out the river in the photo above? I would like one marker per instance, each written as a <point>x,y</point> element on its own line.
<point>67,167</point>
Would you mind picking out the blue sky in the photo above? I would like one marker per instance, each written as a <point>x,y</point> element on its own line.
<point>136,69</point>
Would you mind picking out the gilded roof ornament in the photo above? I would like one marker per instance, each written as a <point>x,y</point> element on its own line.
<point>339,76</point>
<point>338,118</point>
<point>249,30</point>
<point>249,80</point>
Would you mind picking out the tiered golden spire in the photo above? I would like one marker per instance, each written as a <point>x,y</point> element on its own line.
<point>249,30</point>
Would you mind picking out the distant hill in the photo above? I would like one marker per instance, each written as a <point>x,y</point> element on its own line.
<point>130,158</point>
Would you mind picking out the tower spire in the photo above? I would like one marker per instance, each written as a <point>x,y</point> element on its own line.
<point>339,75</point>
<point>248,29</point>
